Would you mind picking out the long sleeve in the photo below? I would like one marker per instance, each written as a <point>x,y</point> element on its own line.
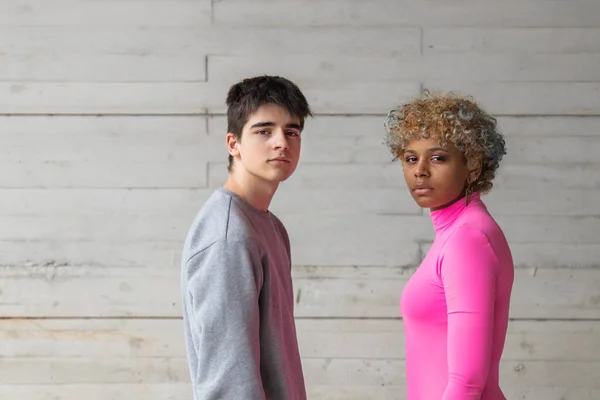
<point>222,295</point>
<point>468,272</point>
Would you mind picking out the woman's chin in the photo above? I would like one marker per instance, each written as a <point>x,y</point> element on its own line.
<point>435,203</point>
<point>426,201</point>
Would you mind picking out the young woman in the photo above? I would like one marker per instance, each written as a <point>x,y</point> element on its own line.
<point>455,307</point>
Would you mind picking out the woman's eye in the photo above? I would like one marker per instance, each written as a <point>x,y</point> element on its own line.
<point>410,159</point>
<point>438,159</point>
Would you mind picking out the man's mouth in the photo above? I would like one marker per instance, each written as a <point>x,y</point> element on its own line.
<point>280,160</point>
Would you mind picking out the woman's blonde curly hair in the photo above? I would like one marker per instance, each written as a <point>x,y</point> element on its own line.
<point>449,118</point>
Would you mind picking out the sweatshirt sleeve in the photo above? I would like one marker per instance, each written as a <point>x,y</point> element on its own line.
<point>468,272</point>
<point>222,294</point>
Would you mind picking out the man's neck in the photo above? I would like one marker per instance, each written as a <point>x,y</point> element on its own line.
<point>254,190</point>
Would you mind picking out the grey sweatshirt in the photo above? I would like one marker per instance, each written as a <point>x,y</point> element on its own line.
<point>238,304</point>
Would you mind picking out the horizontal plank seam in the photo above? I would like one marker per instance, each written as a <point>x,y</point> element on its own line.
<point>66,318</point>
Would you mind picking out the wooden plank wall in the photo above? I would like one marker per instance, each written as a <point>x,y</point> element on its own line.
<point>111,137</point>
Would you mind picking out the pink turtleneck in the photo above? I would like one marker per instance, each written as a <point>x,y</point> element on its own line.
<point>455,308</point>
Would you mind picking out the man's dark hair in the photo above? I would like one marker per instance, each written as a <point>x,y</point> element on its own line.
<point>246,97</point>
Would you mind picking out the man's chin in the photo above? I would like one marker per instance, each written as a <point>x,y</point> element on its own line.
<point>282,175</point>
<point>282,178</point>
<point>277,177</point>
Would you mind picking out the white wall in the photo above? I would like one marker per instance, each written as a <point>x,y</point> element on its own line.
<point>111,137</point>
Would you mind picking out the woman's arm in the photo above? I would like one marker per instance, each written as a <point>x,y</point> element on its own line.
<point>468,272</point>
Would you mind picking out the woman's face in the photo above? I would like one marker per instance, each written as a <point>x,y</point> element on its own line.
<point>435,175</point>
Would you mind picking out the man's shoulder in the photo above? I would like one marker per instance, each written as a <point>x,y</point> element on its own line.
<point>280,227</point>
<point>210,224</point>
<point>220,220</point>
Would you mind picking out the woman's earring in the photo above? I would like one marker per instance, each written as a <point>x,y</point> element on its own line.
<point>468,191</point>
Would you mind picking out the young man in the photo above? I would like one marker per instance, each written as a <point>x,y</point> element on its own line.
<point>238,303</point>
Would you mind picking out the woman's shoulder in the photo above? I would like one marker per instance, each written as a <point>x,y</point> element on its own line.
<point>475,232</point>
<point>478,218</point>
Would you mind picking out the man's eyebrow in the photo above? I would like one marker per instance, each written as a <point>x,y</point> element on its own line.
<point>269,123</point>
<point>262,124</point>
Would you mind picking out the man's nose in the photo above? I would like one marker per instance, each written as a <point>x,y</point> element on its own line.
<point>280,140</point>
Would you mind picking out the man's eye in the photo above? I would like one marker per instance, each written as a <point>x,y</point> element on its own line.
<point>263,132</point>
<point>292,133</point>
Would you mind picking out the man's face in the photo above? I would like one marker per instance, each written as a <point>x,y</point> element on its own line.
<point>269,148</point>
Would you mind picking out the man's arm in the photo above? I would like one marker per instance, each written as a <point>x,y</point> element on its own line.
<point>222,293</point>
<point>469,276</point>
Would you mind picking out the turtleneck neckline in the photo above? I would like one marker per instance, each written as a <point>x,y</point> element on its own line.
<point>445,217</point>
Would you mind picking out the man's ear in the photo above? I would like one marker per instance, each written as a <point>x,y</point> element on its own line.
<point>232,144</point>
